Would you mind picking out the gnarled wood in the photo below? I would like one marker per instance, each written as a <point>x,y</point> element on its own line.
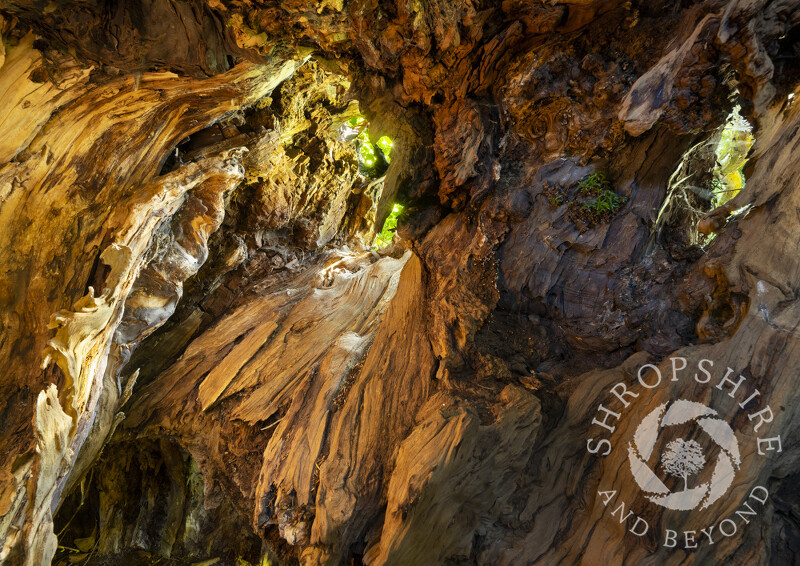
<point>240,376</point>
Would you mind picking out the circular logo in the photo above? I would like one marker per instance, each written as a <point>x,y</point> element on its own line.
<point>683,458</point>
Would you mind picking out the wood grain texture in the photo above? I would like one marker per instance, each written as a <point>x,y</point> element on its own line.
<point>112,207</point>
<point>185,231</point>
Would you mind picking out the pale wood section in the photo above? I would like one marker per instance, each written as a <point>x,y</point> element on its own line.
<point>82,186</point>
<point>226,371</point>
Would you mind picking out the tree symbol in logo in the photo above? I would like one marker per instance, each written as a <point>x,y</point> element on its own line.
<point>682,459</point>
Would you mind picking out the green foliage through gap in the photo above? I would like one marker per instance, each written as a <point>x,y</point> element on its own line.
<point>389,228</point>
<point>731,156</point>
<point>385,144</point>
<point>373,158</point>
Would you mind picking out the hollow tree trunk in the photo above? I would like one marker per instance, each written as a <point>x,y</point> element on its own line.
<point>202,357</point>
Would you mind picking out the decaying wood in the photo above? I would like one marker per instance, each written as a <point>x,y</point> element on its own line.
<point>85,166</point>
<point>201,357</point>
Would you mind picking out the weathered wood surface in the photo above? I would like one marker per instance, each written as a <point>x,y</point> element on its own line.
<point>234,366</point>
<point>77,191</point>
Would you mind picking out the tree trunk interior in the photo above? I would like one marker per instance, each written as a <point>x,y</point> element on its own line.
<point>216,347</point>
